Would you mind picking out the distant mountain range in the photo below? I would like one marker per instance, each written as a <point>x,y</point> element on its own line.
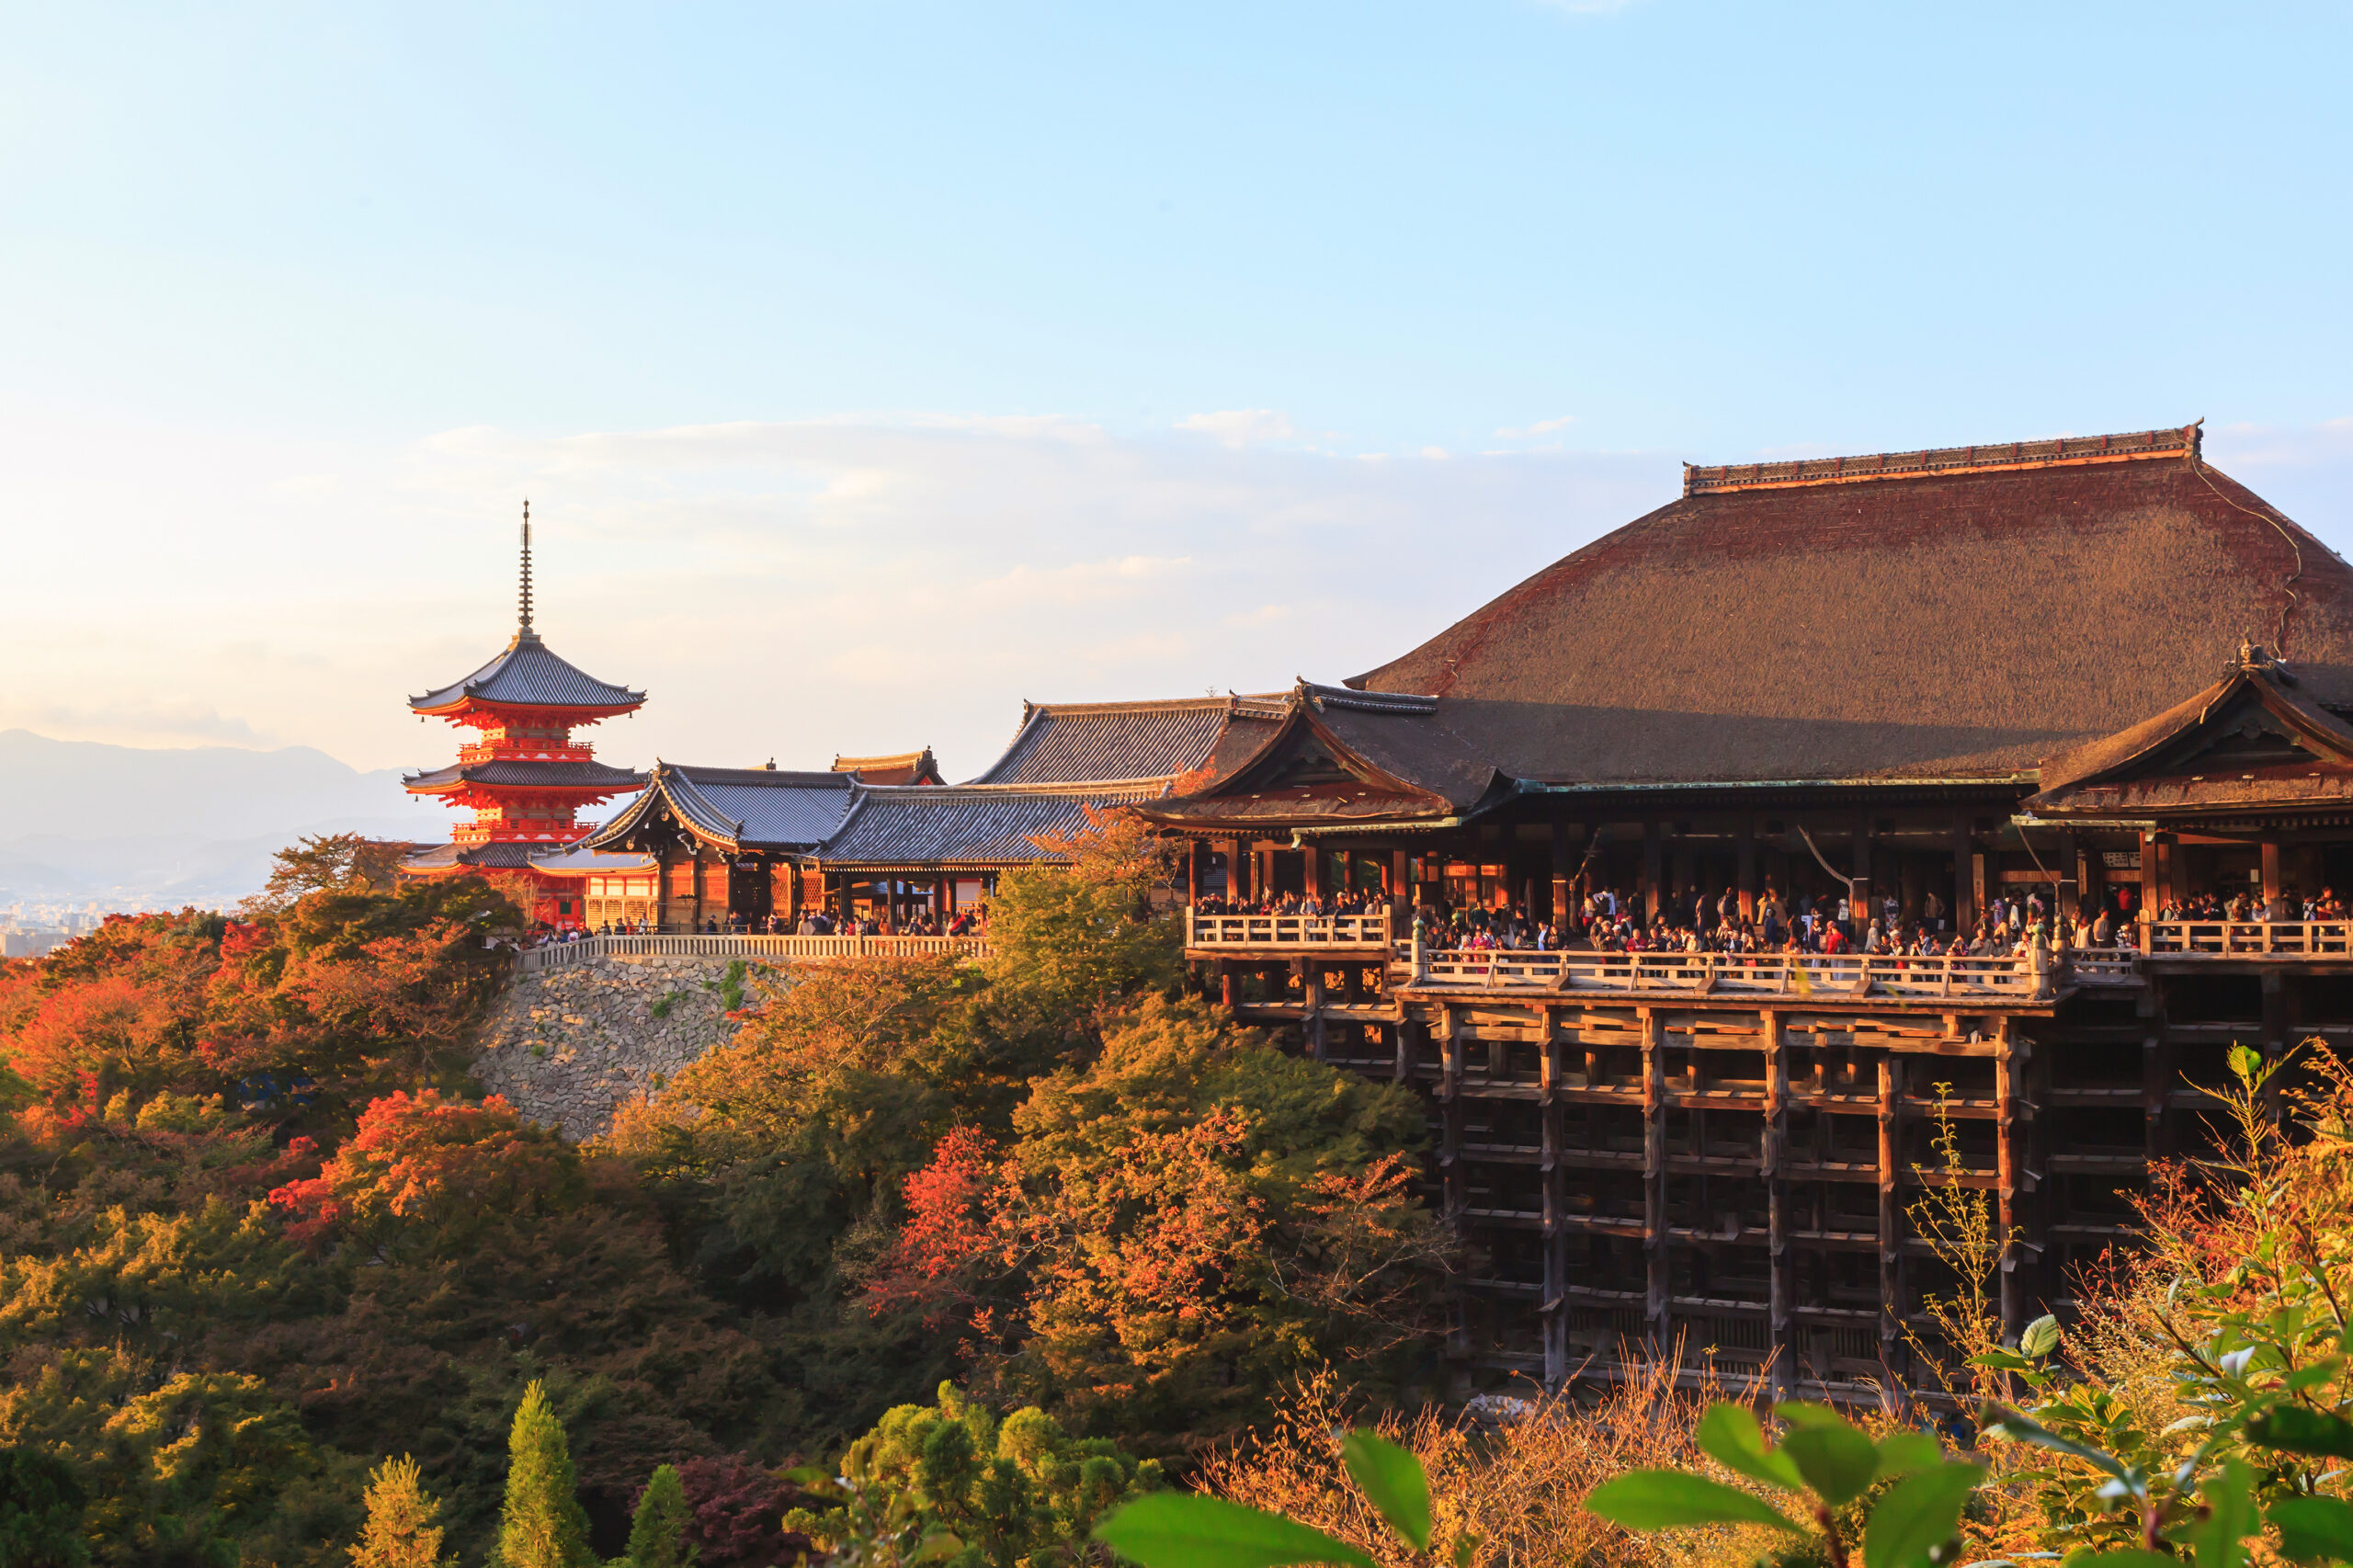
<point>133,827</point>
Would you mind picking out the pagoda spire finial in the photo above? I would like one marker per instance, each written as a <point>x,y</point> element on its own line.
<point>526,628</point>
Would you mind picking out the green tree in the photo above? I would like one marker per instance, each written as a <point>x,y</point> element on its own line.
<point>329,863</point>
<point>40,1511</point>
<point>984,1494</point>
<point>542,1524</point>
<point>657,1534</point>
<point>404,1527</point>
<point>1076,943</point>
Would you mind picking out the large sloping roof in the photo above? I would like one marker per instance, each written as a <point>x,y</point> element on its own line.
<point>742,808</point>
<point>899,767</point>
<point>528,674</point>
<point>1085,743</point>
<point>962,824</point>
<point>1959,614</point>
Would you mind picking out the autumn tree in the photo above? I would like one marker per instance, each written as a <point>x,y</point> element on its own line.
<point>328,862</point>
<point>542,1524</point>
<point>40,1511</point>
<point>1075,941</point>
<point>404,1527</point>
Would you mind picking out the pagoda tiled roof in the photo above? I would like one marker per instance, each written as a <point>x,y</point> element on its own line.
<point>521,772</point>
<point>528,674</point>
<point>498,855</point>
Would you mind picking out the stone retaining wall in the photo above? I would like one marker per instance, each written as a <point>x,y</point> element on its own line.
<point>569,1044</point>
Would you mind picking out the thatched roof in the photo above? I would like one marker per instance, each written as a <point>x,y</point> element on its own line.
<point>1946,616</point>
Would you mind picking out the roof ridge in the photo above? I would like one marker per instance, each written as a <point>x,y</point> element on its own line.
<point>2184,441</point>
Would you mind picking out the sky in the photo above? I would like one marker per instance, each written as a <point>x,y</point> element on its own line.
<point>871,368</point>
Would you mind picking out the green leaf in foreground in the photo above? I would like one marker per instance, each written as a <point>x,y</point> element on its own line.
<point>1393,1480</point>
<point>2302,1431</point>
<point>2042,1336</point>
<point>2228,1519</point>
<point>1901,1453</point>
<point>1919,1514</point>
<point>1729,1434</point>
<point>1838,1461</point>
<point>2315,1529</point>
<point>1997,1422</point>
<point>1664,1499</point>
<point>1179,1529</point>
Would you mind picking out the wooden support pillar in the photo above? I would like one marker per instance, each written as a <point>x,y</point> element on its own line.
<point>1554,1175</point>
<point>1658,1272</point>
<point>2009,1150</point>
<point>1407,1040</point>
<point>1565,866</point>
<point>1747,873</point>
<point>1964,900</point>
<point>1449,1095</point>
<point>1237,879</point>
<point>1860,891</point>
<point>1891,1207</point>
<point>1654,897</point>
<point>662,890</point>
<point>1310,995</point>
<point>1401,888</point>
<point>1229,985</point>
<point>1310,877</point>
<point>698,872</point>
<point>2272,885</point>
<point>2157,1075</point>
<point>1192,871</point>
<point>1774,1157</point>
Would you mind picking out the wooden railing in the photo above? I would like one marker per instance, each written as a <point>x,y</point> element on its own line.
<point>2251,939</point>
<point>807,949</point>
<point>1244,931</point>
<point>1777,974</point>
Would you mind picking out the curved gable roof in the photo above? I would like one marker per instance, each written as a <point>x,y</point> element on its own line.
<point>528,674</point>
<point>1086,742</point>
<point>1947,618</point>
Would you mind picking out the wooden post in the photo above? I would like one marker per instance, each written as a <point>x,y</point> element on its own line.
<point>2271,884</point>
<point>1654,897</point>
<point>662,890</point>
<point>1860,891</point>
<point>1311,876</point>
<point>2010,1162</point>
<point>1891,1207</point>
<point>1554,1175</point>
<point>1401,889</point>
<point>1310,996</point>
<point>1964,851</point>
<point>697,871</point>
<point>1237,871</point>
<point>1777,1202</point>
<point>1748,868</point>
<point>1564,865</point>
<point>1658,1273</point>
<point>1192,873</point>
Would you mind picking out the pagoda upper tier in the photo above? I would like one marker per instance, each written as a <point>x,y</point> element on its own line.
<point>524,776</point>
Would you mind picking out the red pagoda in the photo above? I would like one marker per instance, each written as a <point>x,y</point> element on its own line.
<point>524,776</point>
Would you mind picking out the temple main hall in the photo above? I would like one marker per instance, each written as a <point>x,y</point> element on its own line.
<point>1693,882</point>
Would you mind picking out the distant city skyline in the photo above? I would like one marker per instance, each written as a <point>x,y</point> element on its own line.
<point>872,368</point>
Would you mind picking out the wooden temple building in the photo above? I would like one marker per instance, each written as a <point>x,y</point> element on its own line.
<point>2096,669</point>
<point>1932,678</point>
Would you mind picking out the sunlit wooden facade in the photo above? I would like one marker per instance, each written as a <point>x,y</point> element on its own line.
<point>1930,678</point>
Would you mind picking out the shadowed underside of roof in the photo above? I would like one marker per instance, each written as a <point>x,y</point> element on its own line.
<point>511,773</point>
<point>1093,742</point>
<point>1950,622</point>
<point>529,675</point>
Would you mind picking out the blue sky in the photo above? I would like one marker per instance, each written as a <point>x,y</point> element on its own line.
<point>877,366</point>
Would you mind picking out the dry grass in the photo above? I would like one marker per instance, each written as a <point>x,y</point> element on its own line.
<point>1520,1488</point>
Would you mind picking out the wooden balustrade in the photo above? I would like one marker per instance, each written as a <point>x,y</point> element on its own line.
<point>1242,932</point>
<point>556,955</point>
<point>1774,974</point>
<point>2250,939</point>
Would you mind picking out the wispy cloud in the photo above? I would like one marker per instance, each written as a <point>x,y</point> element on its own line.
<point>1541,428</point>
<point>1243,427</point>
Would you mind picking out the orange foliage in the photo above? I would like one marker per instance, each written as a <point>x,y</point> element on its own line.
<point>436,1164</point>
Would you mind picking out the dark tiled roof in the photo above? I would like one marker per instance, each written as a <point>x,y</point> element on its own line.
<point>900,768</point>
<point>1086,742</point>
<point>743,808</point>
<point>498,856</point>
<point>962,824</point>
<point>527,675</point>
<point>1959,621</point>
<point>2163,765</point>
<point>508,770</point>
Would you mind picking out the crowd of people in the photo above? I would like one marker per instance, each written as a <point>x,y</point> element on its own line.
<point>2247,903</point>
<point>870,922</point>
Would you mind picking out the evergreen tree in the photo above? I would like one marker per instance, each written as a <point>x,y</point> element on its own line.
<point>403,1526</point>
<point>657,1536</point>
<point>542,1524</point>
<point>40,1511</point>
